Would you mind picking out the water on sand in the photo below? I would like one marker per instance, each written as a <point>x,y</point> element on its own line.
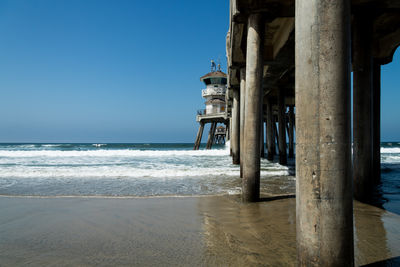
<point>171,231</point>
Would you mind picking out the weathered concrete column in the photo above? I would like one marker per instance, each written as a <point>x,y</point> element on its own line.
<point>264,125</point>
<point>235,138</point>
<point>228,129</point>
<point>324,201</point>
<point>262,152</point>
<point>376,165</point>
<point>251,160</point>
<point>291,132</point>
<point>242,102</point>
<point>275,144</point>
<point>362,107</point>
<point>270,131</point>
<point>282,126</point>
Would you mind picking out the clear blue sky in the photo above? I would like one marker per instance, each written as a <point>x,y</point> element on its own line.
<point>118,71</point>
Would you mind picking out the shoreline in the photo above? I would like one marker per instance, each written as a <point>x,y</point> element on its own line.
<point>187,230</point>
<point>263,195</point>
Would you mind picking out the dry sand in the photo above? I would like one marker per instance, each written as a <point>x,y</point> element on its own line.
<point>172,231</point>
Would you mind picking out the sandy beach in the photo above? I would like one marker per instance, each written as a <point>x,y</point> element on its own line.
<point>174,231</point>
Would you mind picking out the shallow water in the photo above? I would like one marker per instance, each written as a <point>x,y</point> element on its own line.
<point>154,170</point>
<point>126,170</point>
<point>387,193</point>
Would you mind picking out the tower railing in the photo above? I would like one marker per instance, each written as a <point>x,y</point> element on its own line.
<point>213,91</point>
<point>201,112</point>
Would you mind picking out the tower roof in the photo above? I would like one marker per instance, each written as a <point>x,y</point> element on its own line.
<point>216,74</point>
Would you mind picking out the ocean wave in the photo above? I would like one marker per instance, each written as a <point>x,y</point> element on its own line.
<point>390,159</point>
<point>7,147</point>
<point>125,172</point>
<point>112,153</point>
<point>390,150</point>
<point>51,145</point>
<point>98,145</point>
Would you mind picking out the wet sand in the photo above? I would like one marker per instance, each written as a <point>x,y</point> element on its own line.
<point>174,231</point>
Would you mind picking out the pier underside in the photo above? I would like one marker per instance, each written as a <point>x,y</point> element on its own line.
<point>291,59</point>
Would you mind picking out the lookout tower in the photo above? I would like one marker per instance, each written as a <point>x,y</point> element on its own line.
<point>215,111</point>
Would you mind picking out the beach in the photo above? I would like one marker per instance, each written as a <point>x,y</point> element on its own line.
<point>172,231</point>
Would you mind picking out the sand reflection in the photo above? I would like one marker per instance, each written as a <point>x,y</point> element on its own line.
<point>178,231</point>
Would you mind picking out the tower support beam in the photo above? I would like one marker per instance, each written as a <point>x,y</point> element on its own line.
<point>211,135</point>
<point>199,136</point>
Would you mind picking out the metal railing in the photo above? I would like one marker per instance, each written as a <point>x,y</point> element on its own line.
<point>220,131</point>
<point>213,91</point>
<point>201,112</point>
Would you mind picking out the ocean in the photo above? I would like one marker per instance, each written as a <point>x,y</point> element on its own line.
<point>141,170</point>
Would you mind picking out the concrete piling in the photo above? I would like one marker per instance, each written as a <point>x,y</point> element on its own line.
<point>291,132</point>
<point>323,147</point>
<point>376,106</point>
<point>262,152</point>
<point>362,106</point>
<point>282,126</point>
<point>235,138</point>
<point>242,102</point>
<point>270,131</point>
<point>228,131</point>
<point>276,136</point>
<point>316,33</point>
<point>251,161</point>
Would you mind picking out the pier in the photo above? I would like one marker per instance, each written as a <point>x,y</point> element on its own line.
<point>289,67</point>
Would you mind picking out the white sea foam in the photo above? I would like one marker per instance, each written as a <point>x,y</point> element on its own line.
<point>112,153</point>
<point>160,171</point>
<point>48,170</point>
<point>390,158</point>
<point>391,150</point>
<point>113,172</point>
<point>234,191</point>
<point>228,145</point>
